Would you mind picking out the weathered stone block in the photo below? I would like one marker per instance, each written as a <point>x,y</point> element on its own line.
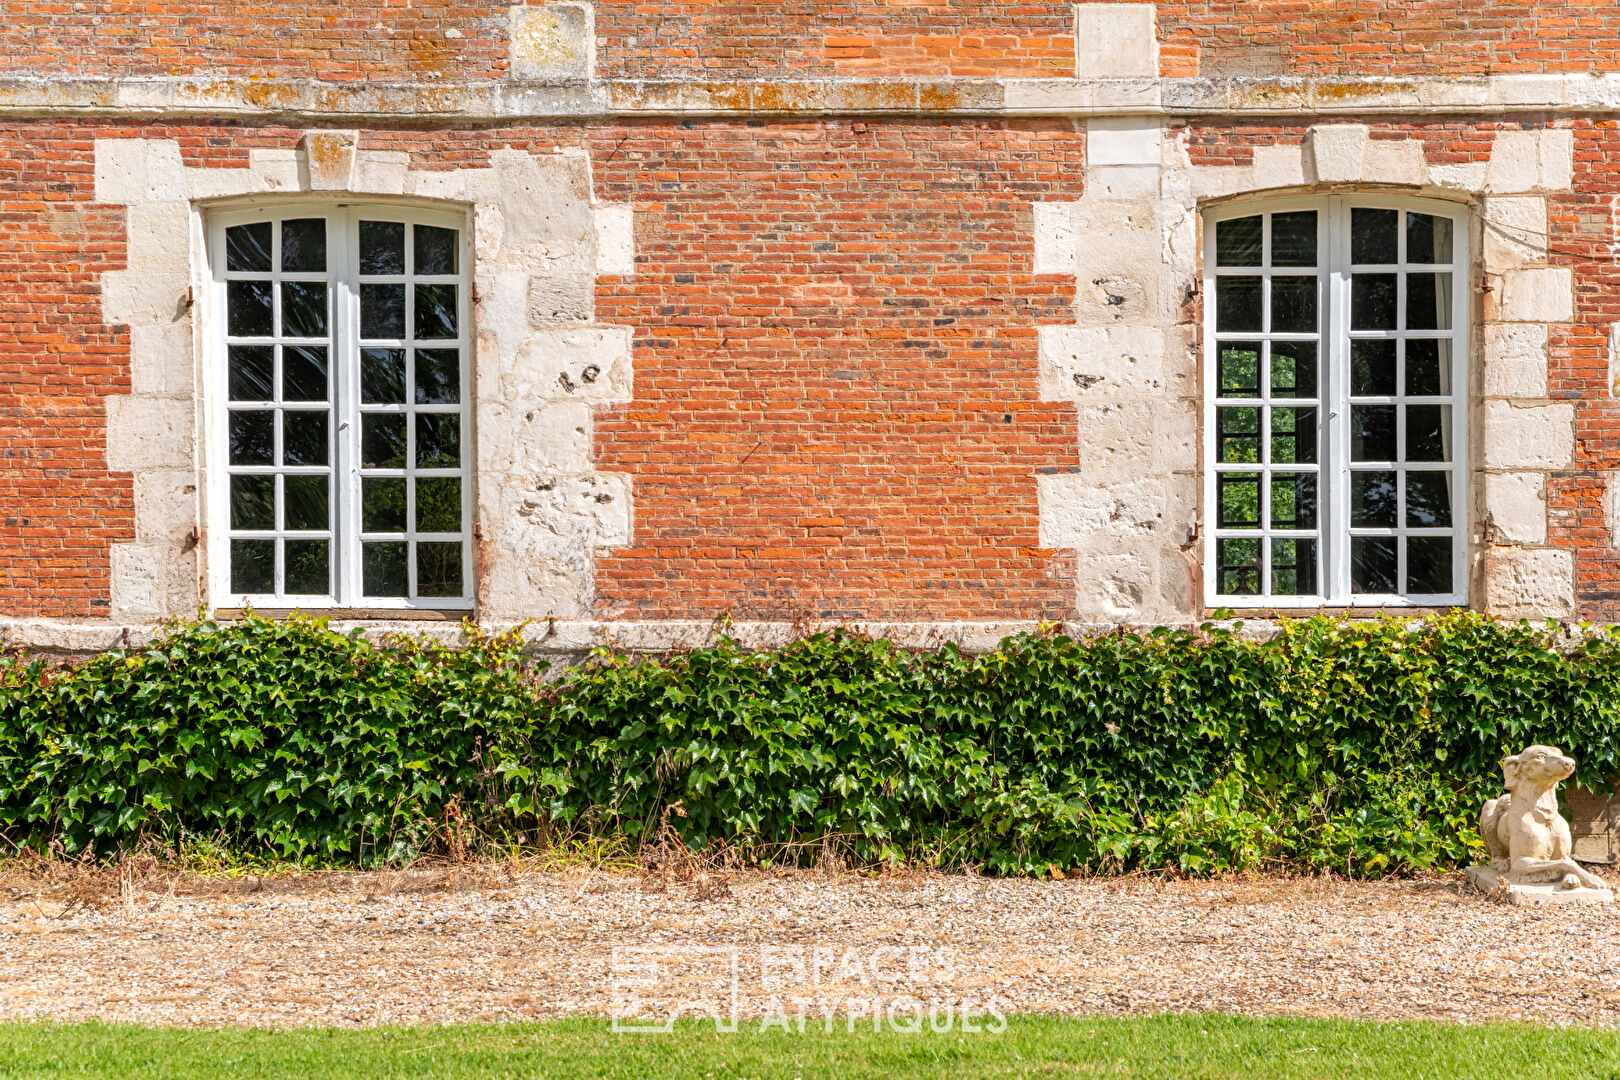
<point>615,240</point>
<point>1517,506</point>
<point>1101,361</point>
<point>1544,295</point>
<point>572,363</point>
<point>1113,41</point>
<point>1515,360</point>
<point>1531,583</point>
<point>130,171</point>
<point>1394,161</point>
<point>1279,166</point>
<point>150,433</point>
<point>1515,232</point>
<point>329,159</point>
<point>1334,152</point>
<point>553,41</point>
<point>1530,437</point>
<point>1524,161</point>
<point>1125,140</point>
<point>1055,239</point>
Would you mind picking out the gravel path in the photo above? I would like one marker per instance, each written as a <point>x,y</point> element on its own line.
<point>426,947</point>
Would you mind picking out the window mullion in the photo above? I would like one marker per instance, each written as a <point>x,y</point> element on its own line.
<point>1336,406</point>
<point>346,372</point>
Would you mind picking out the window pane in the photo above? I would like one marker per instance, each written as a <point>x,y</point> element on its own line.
<point>1293,305</point>
<point>435,312</point>
<point>247,248</point>
<point>309,567</point>
<point>382,569</point>
<point>253,370</point>
<point>438,569</point>
<point>1428,433</point>
<point>382,247</point>
<point>382,504</point>
<point>303,308</point>
<point>1237,242</point>
<point>1240,500</point>
<point>438,376</point>
<point>1293,436</point>
<point>1372,433</point>
<point>248,305</point>
<point>1372,301</point>
<point>435,250</point>
<point>1293,500</point>
<point>438,440</point>
<point>1237,304</point>
<point>1240,435</point>
<point>303,373</point>
<point>1428,500</point>
<point>382,376</point>
<point>303,247</point>
<point>253,438</point>
<point>1238,566</point>
<point>1293,239</point>
<point>1293,369</point>
<point>1372,369</point>
<point>1293,567</point>
<point>382,441</point>
<point>382,311</point>
<point>1428,368</point>
<point>1428,239</point>
<point>253,502</point>
<point>1372,564</point>
<point>253,566</point>
<point>1373,236</point>
<point>438,504</point>
<point>303,437</point>
<point>1428,301</point>
<point>307,503</point>
<point>1428,564</point>
<point>1372,499</point>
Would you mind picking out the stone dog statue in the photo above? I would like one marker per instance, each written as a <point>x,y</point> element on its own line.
<point>1527,838</point>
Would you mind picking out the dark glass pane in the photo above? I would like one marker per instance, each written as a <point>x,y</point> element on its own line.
<point>308,564</point>
<point>307,503</point>
<point>1293,436</point>
<point>1293,239</point>
<point>1237,304</point>
<point>438,504</point>
<point>1428,301</point>
<point>253,372</point>
<point>382,504</point>
<point>382,441</point>
<point>253,438</point>
<point>303,437</point>
<point>1239,566</point>
<point>1239,495</point>
<point>1372,368</point>
<point>303,373</point>
<point>1372,499</point>
<point>1372,301</point>
<point>1373,236</point>
<point>1293,369</point>
<point>382,376</point>
<point>1293,500</point>
<point>382,568</point>
<point>253,566</point>
<point>435,312</point>
<point>1240,435</point>
<point>438,441</point>
<point>253,502</point>
<point>1372,433</point>
<point>382,247</point>
<point>1428,368</point>
<point>1293,567</point>
<point>249,306</point>
<point>303,247</point>
<point>438,376</point>
<point>435,250</point>
<point>1293,305</point>
<point>382,311</point>
<point>1239,364</point>
<point>247,248</point>
<point>1426,433</point>
<point>438,569</point>
<point>1428,239</point>
<point>303,308</point>
<point>1428,564</point>
<point>1237,242</point>
<point>1372,564</point>
<point>1428,500</point>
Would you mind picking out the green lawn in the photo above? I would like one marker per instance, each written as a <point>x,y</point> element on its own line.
<point>1166,1046</point>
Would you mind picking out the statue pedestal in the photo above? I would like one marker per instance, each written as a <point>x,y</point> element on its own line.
<point>1486,880</point>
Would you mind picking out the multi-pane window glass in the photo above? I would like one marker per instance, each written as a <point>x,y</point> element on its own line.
<point>345,364</point>
<point>1335,439</point>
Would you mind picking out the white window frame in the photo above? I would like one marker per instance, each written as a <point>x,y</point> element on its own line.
<point>1333,410</point>
<point>343,297</point>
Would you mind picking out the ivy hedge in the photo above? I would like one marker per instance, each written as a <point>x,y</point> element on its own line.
<point>1363,747</point>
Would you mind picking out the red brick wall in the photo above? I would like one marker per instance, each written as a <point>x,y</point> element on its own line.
<point>836,409</point>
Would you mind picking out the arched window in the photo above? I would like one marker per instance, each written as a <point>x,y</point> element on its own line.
<point>1336,381</point>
